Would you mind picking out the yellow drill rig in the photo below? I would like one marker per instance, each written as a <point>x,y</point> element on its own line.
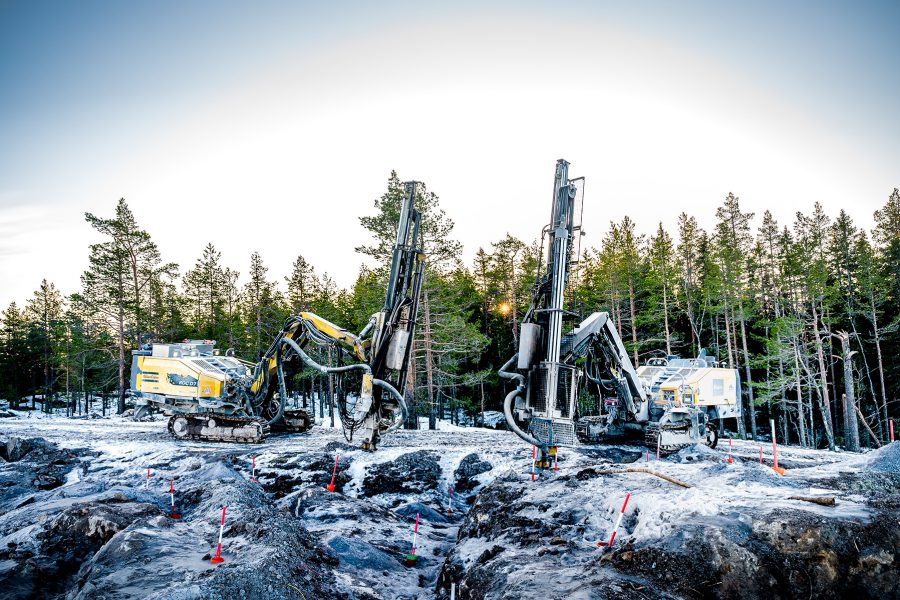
<point>219,397</point>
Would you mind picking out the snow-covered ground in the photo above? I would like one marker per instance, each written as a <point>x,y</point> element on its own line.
<point>78,518</point>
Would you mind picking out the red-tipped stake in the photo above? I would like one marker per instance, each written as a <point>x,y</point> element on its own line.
<point>450,500</point>
<point>760,455</point>
<point>891,423</point>
<point>173,515</point>
<point>658,438</point>
<point>330,486</point>
<point>253,468</point>
<point>616,526</point>
<point>729,451</point>
<point>218,557</point>
<point>775,468</point>
<point>411,558</point>
<point>147,483</point>
<point>533,458</point>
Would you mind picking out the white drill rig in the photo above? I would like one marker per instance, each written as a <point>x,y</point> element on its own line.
<point>575,383</point>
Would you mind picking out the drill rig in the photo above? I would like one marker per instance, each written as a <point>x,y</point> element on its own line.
<point>213,397</point>
<point>575,382</point>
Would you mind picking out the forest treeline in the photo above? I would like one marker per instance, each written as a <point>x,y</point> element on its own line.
<point>807,311</point>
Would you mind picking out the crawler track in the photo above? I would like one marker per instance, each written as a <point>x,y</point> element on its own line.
<point>217,428</point>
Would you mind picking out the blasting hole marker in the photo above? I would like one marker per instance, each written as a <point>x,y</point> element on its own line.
<point>658,438</point>
<point>173,515</point>
<point>729,451</point>
<point>760,455</point>
<point>616,526</point>
<point>450,500</point>
<point>253,468</point>
<point>330,486</point>
<point>775,449</point>
<point>147,483</point>
<point>891,423</point>
<point>218,557</point>
<point>411,558</point>
<point>533,458</point>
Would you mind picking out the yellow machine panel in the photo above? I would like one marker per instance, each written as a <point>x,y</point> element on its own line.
<point>176,377</point>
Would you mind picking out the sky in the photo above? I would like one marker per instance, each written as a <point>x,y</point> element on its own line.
<point>273,127</point>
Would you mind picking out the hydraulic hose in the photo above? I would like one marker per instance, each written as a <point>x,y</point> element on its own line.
<point>357,366</point>
<point>282,393</point>
<point>400,401</point>
<point>509,374</point>
<point>510,420</point>
<point>510,397</point>
<point>321,368</point>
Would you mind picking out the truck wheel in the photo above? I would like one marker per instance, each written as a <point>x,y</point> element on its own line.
<point>712,435</point>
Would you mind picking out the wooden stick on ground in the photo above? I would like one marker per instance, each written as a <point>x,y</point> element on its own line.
<point>822,500</point>
<point>643,470</point>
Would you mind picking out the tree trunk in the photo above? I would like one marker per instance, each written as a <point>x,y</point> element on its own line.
<point>429,363</point>
<point>412,421</point>
<point>729,327</point>
<point>481,385</point>
<point>121,403</point>
<point>883,408</point>
<point>747,371</point>
<point>634,340</point>
<point>852,434</point>
<point>331,387</point>
<point>801,426</point>
<point>666,319</point>
<point>513,303</point>
<point>823,397</point>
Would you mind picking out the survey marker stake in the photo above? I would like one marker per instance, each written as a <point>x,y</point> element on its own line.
<point>533,458</point>
<point>330,486</point>
<point>729,451</point>
<point>411,558</point>
<point>173,515</point>
<point>218,557</point>
<point>450,500</point>
<point>616,526</point>
<point>147,483</point>
<point>775,468</point>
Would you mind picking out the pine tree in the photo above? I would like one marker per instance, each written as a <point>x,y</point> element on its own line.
<point>106,295</point>
<point>261,307</point>
<point>300,285</point>
<point>139,253</point>
<point>733,244</point>
<point>661,259</point>
<point>14,354</point>
<point>812,240</point>
<point>203,290</point>
<point>687,264</point>
<point>44,312</point>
